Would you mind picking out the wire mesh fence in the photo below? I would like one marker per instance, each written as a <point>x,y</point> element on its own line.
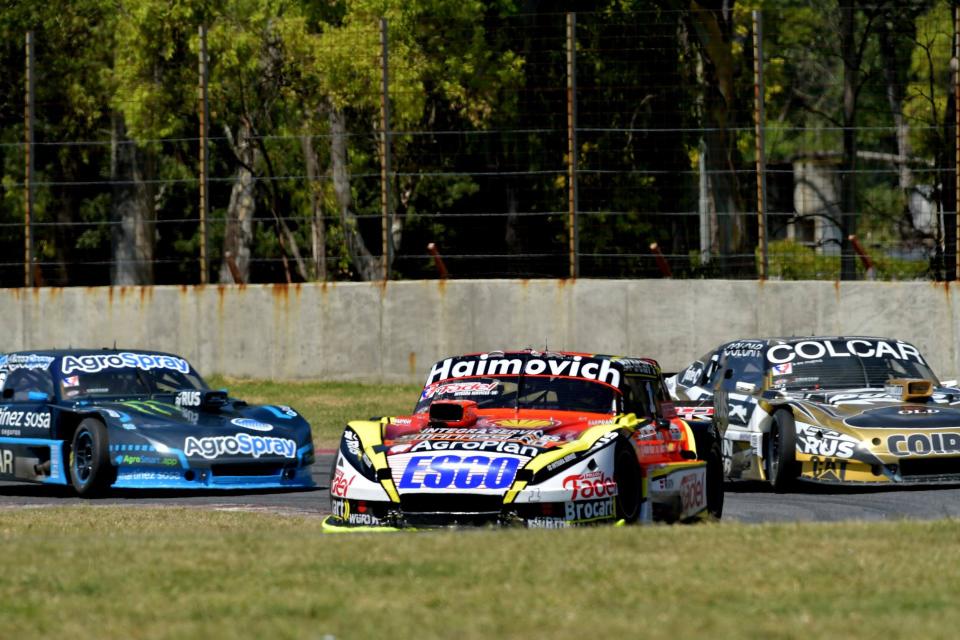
<point>612,143</point>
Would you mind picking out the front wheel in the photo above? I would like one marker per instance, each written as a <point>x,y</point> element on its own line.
<point>781,459</point>
<point>626,473</point>
<point>90,468</point>
<point>708,450</point>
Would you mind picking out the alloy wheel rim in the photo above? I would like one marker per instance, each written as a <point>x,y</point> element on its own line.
<point>83,457</point>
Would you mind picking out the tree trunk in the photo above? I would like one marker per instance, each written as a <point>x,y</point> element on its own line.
<point>318,234</point>
<point>895,67</point>
<point>238,232</point>
<point>848,177</point>
<point>367,266</point>
<point>132,210</point>
<point>713,29</point>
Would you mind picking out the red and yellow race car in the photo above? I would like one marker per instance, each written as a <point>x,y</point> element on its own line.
<point>537,439</point>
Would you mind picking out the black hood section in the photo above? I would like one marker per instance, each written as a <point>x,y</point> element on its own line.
<point>907,416</point>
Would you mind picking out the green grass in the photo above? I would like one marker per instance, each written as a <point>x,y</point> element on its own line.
<point>108,572</point>
<point>328,406</point>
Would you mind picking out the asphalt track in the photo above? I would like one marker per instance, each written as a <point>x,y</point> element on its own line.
<point>745,502</point>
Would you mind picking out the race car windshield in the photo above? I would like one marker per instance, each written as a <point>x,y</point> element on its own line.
<point>128,382</point>
<point>535,392</point>
<point>844,364</point>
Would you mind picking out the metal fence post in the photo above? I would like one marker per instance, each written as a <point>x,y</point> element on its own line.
<point>572,221</point>
<point>758,117</point>
<point>385,151</point>
<point>956,137</point>
<point>28,167</point>
<point>204,160</point>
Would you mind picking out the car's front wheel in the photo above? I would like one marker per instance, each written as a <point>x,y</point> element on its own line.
<point>626,473</point>
<point>781,460</point>
<point>90,468</point>
<point>708,450</point>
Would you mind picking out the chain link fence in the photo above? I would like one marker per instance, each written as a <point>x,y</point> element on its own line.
<point>604,145</point>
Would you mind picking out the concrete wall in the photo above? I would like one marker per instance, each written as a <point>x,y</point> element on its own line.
<point>394,332</point>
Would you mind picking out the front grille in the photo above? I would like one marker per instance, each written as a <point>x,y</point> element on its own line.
<point>450,503</point>
<point>441,509</point>
<point>245,469</point>
<point>926,467</point>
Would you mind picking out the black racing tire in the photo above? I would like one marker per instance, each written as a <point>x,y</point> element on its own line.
<point>781,447</point>
<point>709,450</point>
<point>627,475</point>
<point>89,460</point>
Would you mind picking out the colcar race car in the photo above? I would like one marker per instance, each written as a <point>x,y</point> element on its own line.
<point>533,439</point>
<point>857,410</point>
<point>140,419</point>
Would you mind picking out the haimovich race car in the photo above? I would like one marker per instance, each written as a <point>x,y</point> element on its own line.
<point>534,439</point>
<point>858,410</point>
<point>140,419</point>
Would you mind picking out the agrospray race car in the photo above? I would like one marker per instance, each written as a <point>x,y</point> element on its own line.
<point>858,410</point>
<point>140,419</point>
<point>533,439</point>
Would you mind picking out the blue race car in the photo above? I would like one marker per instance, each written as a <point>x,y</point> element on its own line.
<point>140,419</point>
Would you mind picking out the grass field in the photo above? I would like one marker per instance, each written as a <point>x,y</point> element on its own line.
<point>328,406</point>
<point>167,572</point>
<point>108,572</point>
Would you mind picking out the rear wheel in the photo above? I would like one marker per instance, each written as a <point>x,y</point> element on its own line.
<point>90,468</point>
<point>781,461</point>
<point>708,450</point>
<point>626,473</point>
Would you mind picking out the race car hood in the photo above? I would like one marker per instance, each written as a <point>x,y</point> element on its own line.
<point>876,427</point>
<point>484,453</point>
<point>524,433</point>
<point>232,432</point>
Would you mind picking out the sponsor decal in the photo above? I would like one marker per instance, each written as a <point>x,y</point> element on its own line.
<point>575,367</point>
<point>693,494</point>
<point>460,389</point>
<point>784,369</point>
<point>692,375</point>
<point>918,411</point>
<point>544,522</point>
<point>524,423</point>
<point>819,349</point>
<point>135,460</point>
<point>738,413</point>
<point>665,483</point>
<point>636,365</point>
<point>920,444</point>
<point>460,472</point>
<point>99,362</point>
<point>6,461</point>
<point>339,508</point>
<point>25,419</point>
<point>71,381</point>
<point>28,361</point>
<point>490,446</point>
<point>188,399</point>
<point>743,349</point>
<point>535,437</point>
<point>570,457</point>
<point>239,444</point>
<point>340,484</point>
<point>588,510</point>
<point>152,475</point>
<point>593,484</point>
<point>255,425</point>
<point>824,442</point>
<point>352,440</point>
<point>828,470</point>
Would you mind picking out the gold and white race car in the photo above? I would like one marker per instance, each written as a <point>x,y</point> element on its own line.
<point>860,410</point>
